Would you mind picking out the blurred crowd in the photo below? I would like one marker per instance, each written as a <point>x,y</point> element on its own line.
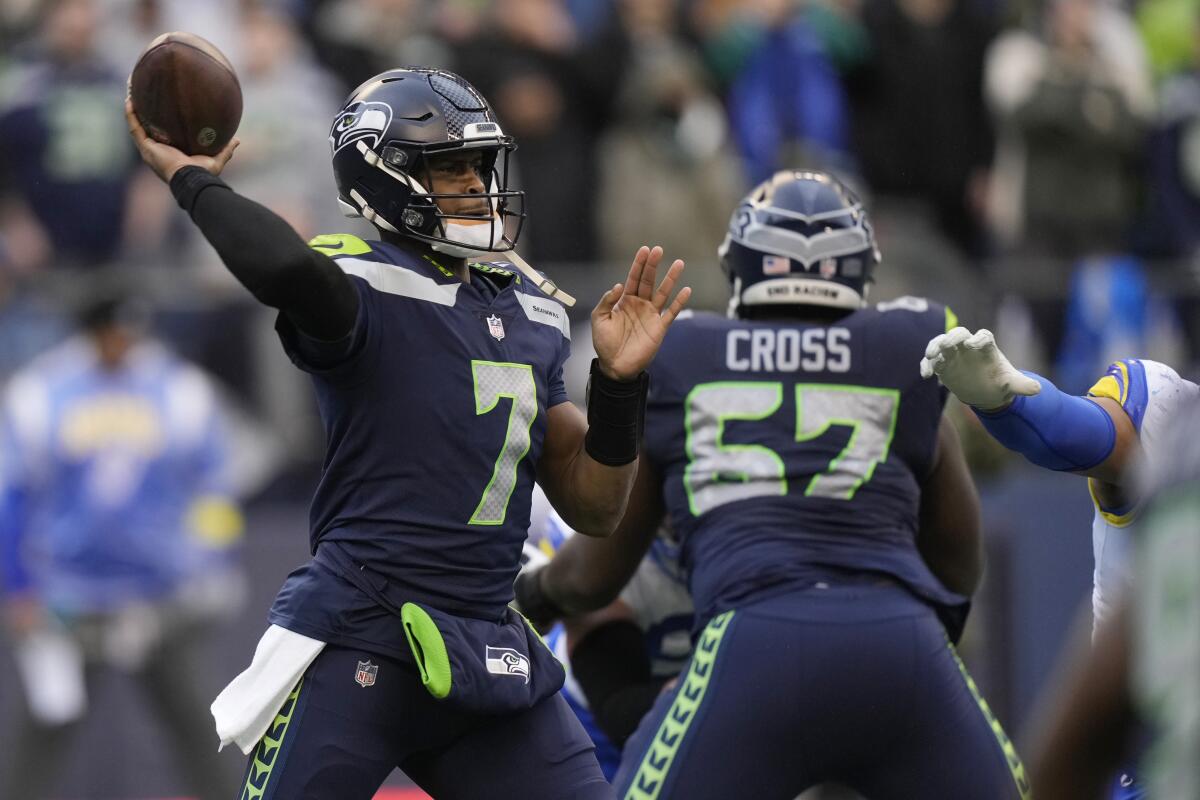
<point>1034,164</point>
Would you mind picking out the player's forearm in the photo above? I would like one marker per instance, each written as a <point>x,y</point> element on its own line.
<point>588,574</point>
<point>576,581</point>
<point>268,257</point>
<point>588,467</point>
<point>961,571</point>
<point>594,495</point>
<point>950,532</point>
<point>1054,430</point>
<point>950,541</point>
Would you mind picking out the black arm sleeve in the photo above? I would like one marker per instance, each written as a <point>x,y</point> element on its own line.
<point>612,668</point>
<point>268,257</point>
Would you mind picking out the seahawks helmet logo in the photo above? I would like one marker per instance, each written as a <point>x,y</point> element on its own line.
<point>362,119</point>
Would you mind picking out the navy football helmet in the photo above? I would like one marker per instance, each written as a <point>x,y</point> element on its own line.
<point>384,135</point>
<point>799,238</point>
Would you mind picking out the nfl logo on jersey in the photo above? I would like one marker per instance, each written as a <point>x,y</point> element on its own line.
<point>828,268</point>
<point>364,676</point>
<point>495,327</point>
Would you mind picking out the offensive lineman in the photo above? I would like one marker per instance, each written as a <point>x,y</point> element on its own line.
<point>440,385</point>
<point>829,526</point>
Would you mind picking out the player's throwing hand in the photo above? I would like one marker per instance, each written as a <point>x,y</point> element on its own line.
<point>629,322</point>
<point>973,368</point>
<point>166,160</point>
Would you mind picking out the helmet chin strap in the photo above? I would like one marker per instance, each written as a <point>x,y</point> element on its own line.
<point>370,214</point>
<point>470,239</point>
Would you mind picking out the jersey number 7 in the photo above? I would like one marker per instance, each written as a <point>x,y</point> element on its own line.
<point>719,473</point>
<point>494,380</point>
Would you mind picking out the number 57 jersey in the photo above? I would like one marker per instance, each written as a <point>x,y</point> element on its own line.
<point>790,449</point>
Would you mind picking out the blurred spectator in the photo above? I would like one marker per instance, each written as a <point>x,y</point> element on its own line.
<point>127,26</point>
<point>356,39</point>
<point>1170,225</point>
<point>116,539</point>
<point>836,24</point>
<point>1169,28</point>
<point>785,100</point>
<point>554,92</point>
<point>922,140</point>
<point>1106,317</point>
<point>920,128</point>
<point>68,172</point>
<point>1172,220</point>
<point>668,172</point>
<point>289,102</point>
<point>1072,105</point>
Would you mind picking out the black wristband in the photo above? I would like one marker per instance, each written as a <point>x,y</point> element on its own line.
<point>187,184</point>
<point>532,601</point>
<point>615,412</point>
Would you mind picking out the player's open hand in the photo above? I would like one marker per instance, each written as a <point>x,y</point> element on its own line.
<point>972,367</point>
<point>631,319</point>
<point>166,160</point>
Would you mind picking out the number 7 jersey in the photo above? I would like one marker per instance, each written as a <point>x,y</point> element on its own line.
<point>788,449</point>
<point>434,414</point>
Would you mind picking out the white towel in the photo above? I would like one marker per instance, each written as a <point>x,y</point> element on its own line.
<point>51,668</point>
<point>245,708</point>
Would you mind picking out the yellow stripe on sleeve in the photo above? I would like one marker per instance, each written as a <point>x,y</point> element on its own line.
<point>1106,387</point>
<point>1116,520</point>
<point>1124,382</point>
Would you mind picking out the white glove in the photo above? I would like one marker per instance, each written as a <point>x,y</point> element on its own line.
<point>974,369</point>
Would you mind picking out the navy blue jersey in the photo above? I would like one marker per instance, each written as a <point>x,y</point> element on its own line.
<point>434,420</point>
<point>787,448</point>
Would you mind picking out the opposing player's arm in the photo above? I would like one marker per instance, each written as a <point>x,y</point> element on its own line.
<point>1082,736</point>
<point>587,574</point>
<point>610,664</point>
<point>261,250</point>
<point>950,534</point>
<point>1028,414</point>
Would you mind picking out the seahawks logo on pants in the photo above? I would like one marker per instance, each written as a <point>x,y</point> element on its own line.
<point>506,661</point>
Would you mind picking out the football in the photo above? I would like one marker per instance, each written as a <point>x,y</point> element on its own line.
<point>186,94</point>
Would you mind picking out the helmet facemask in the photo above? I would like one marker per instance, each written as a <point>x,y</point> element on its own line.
<point>458,234</point>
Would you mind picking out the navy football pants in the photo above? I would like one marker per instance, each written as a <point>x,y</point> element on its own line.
<point>336,740</point>
<point>854,684</point>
